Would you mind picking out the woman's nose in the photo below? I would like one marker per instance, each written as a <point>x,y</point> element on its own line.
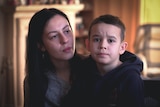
<point>64,39</point>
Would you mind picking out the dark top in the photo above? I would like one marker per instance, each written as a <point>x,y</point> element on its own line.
<point>44,89</point>
<point>121,87</point>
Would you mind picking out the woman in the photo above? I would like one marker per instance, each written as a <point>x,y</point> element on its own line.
<point>50,52</point>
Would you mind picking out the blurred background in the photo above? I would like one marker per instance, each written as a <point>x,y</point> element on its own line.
<point>141,18</point>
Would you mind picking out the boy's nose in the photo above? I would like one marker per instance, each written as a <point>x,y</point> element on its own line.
<point>103,45</point>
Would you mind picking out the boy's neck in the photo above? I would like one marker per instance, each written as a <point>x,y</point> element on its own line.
<point>105,68</point>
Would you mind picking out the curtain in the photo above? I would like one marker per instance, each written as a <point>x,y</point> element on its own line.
<point>127,10</point>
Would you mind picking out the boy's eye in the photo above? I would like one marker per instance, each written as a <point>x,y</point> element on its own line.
<point>110,40</point>
<point>96,39</point>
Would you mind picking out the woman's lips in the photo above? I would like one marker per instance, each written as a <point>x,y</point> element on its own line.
<point>68,49</point>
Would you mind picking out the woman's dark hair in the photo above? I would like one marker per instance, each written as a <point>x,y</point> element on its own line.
<point>109,19</point>
<point>35,61</point>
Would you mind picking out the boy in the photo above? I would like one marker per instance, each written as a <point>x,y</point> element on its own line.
<point>112,74</point>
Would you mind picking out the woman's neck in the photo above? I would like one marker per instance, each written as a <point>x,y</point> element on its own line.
<point>62,69</point>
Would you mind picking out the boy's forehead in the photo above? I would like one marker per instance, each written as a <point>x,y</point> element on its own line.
<point>105,28</point>
<point>102,24</point>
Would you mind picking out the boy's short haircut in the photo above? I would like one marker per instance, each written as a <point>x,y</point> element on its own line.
<point>109,19</point>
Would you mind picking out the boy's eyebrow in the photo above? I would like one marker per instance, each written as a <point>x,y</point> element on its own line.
<point>111,36</point>
<point>95,35</point>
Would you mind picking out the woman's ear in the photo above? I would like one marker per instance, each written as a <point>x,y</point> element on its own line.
<point>123,47</point>
<point>41,47</point>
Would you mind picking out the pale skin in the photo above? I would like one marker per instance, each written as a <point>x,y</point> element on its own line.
<point>106,46</point>
<point>58,41</point>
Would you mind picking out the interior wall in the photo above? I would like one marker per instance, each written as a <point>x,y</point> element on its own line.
<point>149,12</point>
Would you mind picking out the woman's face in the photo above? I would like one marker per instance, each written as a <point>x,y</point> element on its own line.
<point>58,39</point>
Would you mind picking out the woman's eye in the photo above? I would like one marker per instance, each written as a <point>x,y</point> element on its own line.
<point>53,36</point>
<point>67,31</point>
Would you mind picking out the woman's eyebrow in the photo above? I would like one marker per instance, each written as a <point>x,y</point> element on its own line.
<point>65,26</point>
<point>56,31</point>
<point>51,32</point>
<point>95,35</point>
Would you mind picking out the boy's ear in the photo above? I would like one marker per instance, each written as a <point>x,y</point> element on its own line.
<point>123,47</point>
<point>41,47</point>
<point>87,44</point>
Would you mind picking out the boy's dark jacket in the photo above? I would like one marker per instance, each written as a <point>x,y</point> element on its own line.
<point>121,87</point>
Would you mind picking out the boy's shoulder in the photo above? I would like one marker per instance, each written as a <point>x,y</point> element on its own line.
<point>129,57</point>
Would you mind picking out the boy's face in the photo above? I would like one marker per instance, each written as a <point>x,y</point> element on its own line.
<point>105,43</point>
